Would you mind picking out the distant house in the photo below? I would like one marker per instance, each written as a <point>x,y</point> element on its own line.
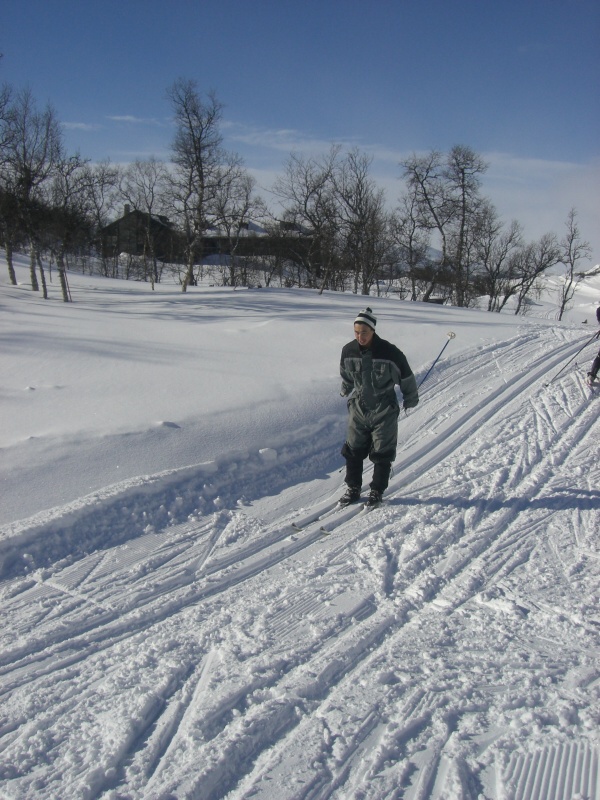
<point>139,233</point>
<point>136,230</point>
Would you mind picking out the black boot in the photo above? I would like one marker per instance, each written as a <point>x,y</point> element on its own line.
<point>374,499</point>
<point>351,495</point>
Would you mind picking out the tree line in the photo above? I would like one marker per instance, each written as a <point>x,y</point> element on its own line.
<point>444,240</point>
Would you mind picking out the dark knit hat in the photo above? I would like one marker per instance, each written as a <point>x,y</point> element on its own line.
<point>367,317</point>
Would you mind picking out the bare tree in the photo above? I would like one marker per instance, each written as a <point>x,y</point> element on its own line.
<point>363,221</point>
<point>573,250</point>
<point>532,261</point>
<point>496,247</point>
<point>5,130</point>
<point>412,243</point>
<point>200,166</point>
<point>446,192</point>
<point>236,206</point>
<point>462,172</point>
<point>102,182</point>
<point>144,187</point>
<point>307,194</point>
<point>33,148</point>
<point>8,210</point>
<point>69,213</point>
<point>435,206</point>
<point>339,213</point>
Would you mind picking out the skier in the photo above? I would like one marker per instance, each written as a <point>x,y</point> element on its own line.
<point>370,368</point>
<point>595,368</point>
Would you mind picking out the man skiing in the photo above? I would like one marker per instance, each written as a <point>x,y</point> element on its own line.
<point>595,368</point>
<point>370,368</point>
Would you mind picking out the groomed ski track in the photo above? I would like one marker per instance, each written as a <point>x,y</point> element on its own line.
<point>274,663</point>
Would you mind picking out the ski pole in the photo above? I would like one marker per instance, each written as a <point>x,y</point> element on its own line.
<point>450,336</point>
<point>589,341</point>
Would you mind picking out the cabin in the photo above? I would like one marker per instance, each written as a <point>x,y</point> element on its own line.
<point>139,233</point>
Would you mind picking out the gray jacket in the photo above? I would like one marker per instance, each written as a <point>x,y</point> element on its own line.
<point>374,372</point>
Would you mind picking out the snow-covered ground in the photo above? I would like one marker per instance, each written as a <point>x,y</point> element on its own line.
<point>166,631</point>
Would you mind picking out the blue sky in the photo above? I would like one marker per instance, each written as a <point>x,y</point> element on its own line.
<point>517,80</point>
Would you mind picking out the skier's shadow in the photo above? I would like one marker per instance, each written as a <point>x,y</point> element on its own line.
<point>559,500</point>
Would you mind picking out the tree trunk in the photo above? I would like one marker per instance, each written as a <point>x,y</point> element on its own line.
<point>189,274</point>
<point>42,275</point>
<point>60,266</point>
<point>9,260</point>
<point>34,281</point>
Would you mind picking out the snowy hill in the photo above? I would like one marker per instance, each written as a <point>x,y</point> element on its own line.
<point>168,633</point>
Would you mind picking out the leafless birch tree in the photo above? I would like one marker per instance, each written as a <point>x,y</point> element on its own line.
<point>573,250</point>
<point>33,148</point>
<point>307,194</point>
<point>144,187</point>
<point>201,166</point>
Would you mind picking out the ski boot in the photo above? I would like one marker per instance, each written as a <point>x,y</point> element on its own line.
<point>374,499</point>
<point>351,495</point>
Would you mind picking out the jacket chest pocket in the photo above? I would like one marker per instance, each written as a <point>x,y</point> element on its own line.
<point>354,366</point>
<point>381,375</point>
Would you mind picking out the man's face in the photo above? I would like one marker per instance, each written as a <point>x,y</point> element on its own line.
<point>363,334</point>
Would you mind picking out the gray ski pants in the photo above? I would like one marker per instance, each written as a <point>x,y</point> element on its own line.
<point>373,434</point>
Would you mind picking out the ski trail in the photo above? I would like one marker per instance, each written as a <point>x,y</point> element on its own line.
<point>500,550</point>
<point>420,461</point>
<point>144,766</point>
<point>553,773</point>
<point>100,612</point>
<point>280,695</point>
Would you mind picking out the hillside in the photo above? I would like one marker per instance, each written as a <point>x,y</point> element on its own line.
<point>168,633</point>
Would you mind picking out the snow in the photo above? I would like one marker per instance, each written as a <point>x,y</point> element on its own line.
<point>167,632</point>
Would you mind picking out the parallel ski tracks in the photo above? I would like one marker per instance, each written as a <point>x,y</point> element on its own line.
<point>491,551</point>
<point>211,576</point>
